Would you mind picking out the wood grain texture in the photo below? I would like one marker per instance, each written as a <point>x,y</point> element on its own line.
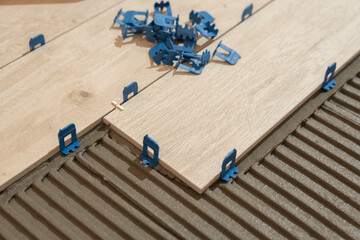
<point>197,120</point>
<point>74,79</point>
<point>22,20</point>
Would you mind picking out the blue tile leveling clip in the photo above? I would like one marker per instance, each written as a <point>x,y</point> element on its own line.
<point>233,56</point>
<point>131,88</point>
<point>225,175</point>
<point>166,21</point>
<point>200,17</point>
<point>116,19</point>
<point>39,39</point>
<point>69,129</point>
<point>157,52</point>
<point>247,12</point>
<point>150,143</point>
<point>207,29</point>
<point>129,18</point>
<point>197,61</point>
<point>158,7</point>
<point>331,83</point>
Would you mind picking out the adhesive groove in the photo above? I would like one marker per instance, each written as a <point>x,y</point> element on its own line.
<point>299,203</point>
<point>143,192</point>
<point>168,189</point>
<point>311,193</point>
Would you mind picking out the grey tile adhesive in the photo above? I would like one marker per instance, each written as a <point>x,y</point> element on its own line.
<point>302,181</point>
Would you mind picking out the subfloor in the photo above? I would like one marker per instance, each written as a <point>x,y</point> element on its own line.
<point>303,181</point>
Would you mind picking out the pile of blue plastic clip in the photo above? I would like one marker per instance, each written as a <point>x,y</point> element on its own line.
<point>166,30</point>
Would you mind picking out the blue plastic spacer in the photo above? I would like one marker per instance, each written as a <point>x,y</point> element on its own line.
<point>157,52</point>
<point>130,18</point>
<point>207,29</point>
<point>126,29</point>
<point>190,56</point>
<point>331,83</point>
<point>247,12</point>
<point>204,57</point>
<point>200,17</point>
<point>233,56</point>
<point>194,17</point>
<point>116,19</point>
<point>69,129</point>
<point>149,34</point>
<point>160,6</point>
<point>155,33</point>
<point>166,21</point>
<point>170,57</point>
<point>188,46</point>
<point>196,65</point>
<point>39,39</point>
<point>185,33</point>
<point>150,143</point>
<point>226,175</point>
<point>131,88</point>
